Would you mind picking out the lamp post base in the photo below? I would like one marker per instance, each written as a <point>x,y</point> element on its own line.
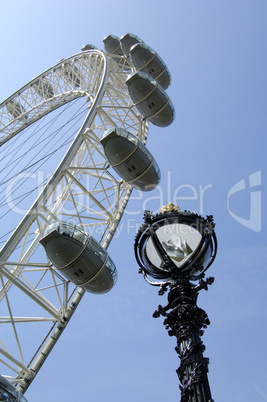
<point>185,321</point>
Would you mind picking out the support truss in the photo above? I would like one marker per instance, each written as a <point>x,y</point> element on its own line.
<point>83,190</point>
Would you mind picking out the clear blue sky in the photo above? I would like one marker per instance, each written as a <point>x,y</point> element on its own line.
<point>212,161</point>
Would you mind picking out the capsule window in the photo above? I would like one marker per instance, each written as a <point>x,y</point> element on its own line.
<point>146,152</point>
<point>97,249</point>
<point>131,138</point>
<point>50,228</point>
<point>80,235</point>
<point>112,269</point>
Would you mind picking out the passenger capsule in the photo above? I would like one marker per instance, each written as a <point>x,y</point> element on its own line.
<point>127,41</point>
<point>43,87</point>
<point>147,60</point>
<point>79,257</point>
<point>16,109</point>
<point>72,74</point>
<point>130,158</point>
<point>112,45</point>
<point>89,46</point>
<point>9,393</point>
<point>150,99</point>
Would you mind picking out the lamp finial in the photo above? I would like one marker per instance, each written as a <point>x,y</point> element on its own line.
<point>169,208</point>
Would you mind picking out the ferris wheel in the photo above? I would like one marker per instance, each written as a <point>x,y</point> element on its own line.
<point>72,148</point>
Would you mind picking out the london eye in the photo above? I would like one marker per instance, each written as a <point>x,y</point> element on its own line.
<point>73,146</point>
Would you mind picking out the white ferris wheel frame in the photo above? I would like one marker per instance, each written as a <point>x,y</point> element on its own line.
<point>100,78</point>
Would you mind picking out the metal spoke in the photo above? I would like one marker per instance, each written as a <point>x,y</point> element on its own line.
<point>82,189</point>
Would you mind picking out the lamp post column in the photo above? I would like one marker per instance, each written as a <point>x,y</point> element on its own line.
<point>185,321</point>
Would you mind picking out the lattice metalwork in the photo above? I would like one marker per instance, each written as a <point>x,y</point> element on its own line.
<point>82,190</point>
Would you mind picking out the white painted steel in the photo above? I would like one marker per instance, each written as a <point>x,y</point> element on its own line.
<point>83,190</point>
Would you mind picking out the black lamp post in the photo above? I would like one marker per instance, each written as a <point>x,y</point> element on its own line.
<point>176,248</point>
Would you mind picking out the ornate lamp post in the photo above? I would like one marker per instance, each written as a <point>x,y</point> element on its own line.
<point>176,248</point>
